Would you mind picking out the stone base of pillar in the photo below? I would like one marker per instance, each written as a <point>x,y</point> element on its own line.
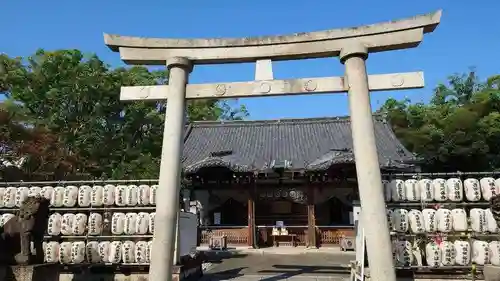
<point>38,272</point>
<point>189,269</point>
<point>491,273</point>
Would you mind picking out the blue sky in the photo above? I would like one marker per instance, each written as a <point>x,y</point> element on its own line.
<point>467,36</point>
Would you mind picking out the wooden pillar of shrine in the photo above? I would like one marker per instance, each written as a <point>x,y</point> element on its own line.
<point>251,218</point>
<point>311,218</point>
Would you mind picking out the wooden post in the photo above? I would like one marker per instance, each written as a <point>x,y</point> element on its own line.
<point>311,218</point>
<point>251,219</point>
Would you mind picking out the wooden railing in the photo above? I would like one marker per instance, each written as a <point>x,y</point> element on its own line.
<point>331,235</point>
<point>326,236</point>
<point>236,235</point>
<point>264,238</point>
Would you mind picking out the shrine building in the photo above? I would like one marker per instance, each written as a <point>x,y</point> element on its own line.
<point>246,177</point>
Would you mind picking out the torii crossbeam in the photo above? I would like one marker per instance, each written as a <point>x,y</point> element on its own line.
<point>351,45</point>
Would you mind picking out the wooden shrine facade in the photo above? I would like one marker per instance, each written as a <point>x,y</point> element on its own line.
<point>246,177</point>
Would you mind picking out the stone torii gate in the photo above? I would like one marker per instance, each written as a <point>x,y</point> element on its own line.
<point>351,45</point>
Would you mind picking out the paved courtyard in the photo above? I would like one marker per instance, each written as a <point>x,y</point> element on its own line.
<point>278,264</point>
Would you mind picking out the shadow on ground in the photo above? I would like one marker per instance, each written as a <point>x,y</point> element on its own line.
<point>217,257</point>
<point>282,272</point>
<point>238,266</point>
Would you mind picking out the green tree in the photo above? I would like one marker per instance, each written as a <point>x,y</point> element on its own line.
<point>76,98</point>
<point>458,130</point>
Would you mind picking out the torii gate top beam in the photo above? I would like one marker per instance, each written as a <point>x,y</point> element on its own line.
<point>393,35</point>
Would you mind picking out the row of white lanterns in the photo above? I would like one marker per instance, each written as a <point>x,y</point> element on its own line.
<point>82,196</point>
<point>93,224</point>
<point>441,190</point>
<point>114,252</point>
<point>446,253</point>
<point>441,220</point>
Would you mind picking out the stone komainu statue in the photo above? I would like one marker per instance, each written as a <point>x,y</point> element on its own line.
<point>495,208</point>
<point>27,226</point>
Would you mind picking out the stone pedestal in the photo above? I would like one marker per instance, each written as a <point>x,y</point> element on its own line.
<point>491,273</point>
<point>40,272</point>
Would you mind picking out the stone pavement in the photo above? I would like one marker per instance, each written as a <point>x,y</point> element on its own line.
<point>278,264</point>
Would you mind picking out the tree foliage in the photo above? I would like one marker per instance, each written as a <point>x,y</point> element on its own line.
<point>458,130</point>
<point>69,102</point>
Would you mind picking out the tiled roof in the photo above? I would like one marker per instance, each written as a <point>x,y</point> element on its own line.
<point>312,144</point>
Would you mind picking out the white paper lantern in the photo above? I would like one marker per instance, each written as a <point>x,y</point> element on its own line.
<point>491,223</point>
<point>9,197</point>
<point>488,188</point>
<point>92,252</point>
<point>459,220</point>
<point>398,190</point>
<point>445,220</point>
<point>497,185</point>
<point>120,195</point>
<point>455,189</point>
<point>57,199</point>
<point>141,252</point>
<point>5,218</point>
<point>478,220</point>
<point>97,198</point>
<point>51,253</point>
<point>440,190</point>
<point>35,191</point>
<point>400,219</point>
<point>142,223</point>
<point>115,252</point>
<point>412,190</point>
<point>117,223</point>
<point>416,220</point>
<point>472,189</point>
<point>404,256</point>
<point>387,190</point>
<point>67,224</point>
<point>22,193</point>
<point>150,250</point>
<point>143,195</point>
<point>47,193</point>
<point>2,193</point>
<point>128,252</point>
<point>394,248</point>
<point>65,252</point>
<point>152,194</point>
<point>433,254</point>
<point>426,190</point>
<point>77,252</point>
<point>462,252</point>
<point>104,250</point>
<point>494,247</point>
<point>54,224</point>
<point>430,220</point>
<point>84,196</point>
<point>131,195</point>
<point>130,223</point>
<point>79,224</point>
<point>447,253</point>
<point>70,196</point>
<point>95,224</point>
<point>480,252</point>
<point>152,222</point>
<point>108,195</point>
<point>44,248</point>
<point>390,219</point>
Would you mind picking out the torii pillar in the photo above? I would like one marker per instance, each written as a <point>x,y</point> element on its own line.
<point>352,45</point>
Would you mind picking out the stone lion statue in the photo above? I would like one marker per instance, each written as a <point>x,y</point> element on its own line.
<point>27,226</point>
